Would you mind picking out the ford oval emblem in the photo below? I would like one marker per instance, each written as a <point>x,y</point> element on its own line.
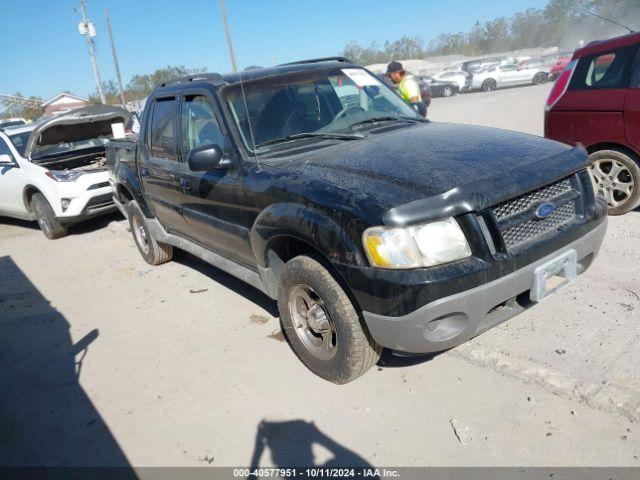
<point>545,210</point>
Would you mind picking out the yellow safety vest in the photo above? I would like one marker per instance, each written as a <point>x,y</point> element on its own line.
<point>409,88</point>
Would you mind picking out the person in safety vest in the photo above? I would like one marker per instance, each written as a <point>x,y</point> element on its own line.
<point>408,87</point>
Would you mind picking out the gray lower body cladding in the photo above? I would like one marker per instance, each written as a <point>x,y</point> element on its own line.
<point>451,321</point>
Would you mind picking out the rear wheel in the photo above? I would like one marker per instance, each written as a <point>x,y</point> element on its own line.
<point>46,217</point>
<point>322,325</point>
<point>489,84</point>
<point>540,78</point>
<point>154,252</point>
<point>617,176</point>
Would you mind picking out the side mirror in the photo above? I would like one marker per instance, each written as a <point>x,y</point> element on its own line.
<point>6,160</point>
<point>209,157</point>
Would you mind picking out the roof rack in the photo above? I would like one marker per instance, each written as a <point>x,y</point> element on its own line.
<point>319,60</point>
<point>212,77</point>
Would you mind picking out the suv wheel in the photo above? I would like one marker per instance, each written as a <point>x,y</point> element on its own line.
<point>489,84</point>
<point>154,252</point>
<point>46,217</point>
<point>540,78</point>
<point>617,176</point>
<point>322,325</point>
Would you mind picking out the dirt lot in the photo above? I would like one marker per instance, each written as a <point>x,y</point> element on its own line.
<point>105,360</point>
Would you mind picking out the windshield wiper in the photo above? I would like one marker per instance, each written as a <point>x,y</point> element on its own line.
<point>387,119</point>
<point>330,136</point>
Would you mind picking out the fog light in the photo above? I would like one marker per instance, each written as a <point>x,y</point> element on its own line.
<point>65,203</point>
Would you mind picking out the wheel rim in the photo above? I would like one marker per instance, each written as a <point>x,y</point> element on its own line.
<point>140,234</point>
<point>613,179</point>
<point>311,322</point>
<point>446,92</point>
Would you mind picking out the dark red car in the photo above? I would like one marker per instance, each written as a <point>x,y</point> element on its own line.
<point>596,102</point>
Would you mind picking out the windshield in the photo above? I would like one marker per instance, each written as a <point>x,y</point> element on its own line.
<point>19,141</point>
<point>328,101</point>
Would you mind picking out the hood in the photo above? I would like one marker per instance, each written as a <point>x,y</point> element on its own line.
<point>86,123</point>
<point>474,166</point>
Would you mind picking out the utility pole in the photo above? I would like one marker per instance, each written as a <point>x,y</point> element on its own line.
<point>88,30</point>
<point>115,58</point>
<point>227,30</point>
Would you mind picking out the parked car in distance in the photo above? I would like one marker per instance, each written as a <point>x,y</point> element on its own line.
<point>472,66</point>
<point>441,88</point>
<point>371,226</point>
<point>556,69</point>
<point>12,122</point>
<point>596,102</point>
<point>456,76</point>
<point>506,76</point>
<point>53,170</point>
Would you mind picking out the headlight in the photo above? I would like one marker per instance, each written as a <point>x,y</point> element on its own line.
<point>416,246</point>
<point>64,175</point>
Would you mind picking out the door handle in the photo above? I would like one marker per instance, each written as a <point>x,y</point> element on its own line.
<point>185,184</point>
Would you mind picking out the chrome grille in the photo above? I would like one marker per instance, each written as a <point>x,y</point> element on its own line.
<point>517,219</point>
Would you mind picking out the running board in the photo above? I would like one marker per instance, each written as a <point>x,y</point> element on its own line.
<point>158,232</point>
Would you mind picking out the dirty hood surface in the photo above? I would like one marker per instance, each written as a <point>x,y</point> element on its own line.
<point>86,123</point>
<point>473,164</point>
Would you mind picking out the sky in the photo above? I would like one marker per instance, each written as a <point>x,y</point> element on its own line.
<point>43,53</point>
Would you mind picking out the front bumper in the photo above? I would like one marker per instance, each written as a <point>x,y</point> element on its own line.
<point>452,320</point>
<point>90,204</point>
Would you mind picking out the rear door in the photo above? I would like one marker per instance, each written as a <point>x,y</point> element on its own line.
<point>159,164</point>
<point>632,107</point>
<point>214,201</point>
<point>592,109</point>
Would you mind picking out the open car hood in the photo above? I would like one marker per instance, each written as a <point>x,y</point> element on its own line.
<point>84,123</point>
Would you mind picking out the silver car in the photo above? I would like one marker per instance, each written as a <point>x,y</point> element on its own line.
<point>506,76</point>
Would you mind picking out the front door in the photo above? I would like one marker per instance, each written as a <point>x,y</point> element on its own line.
<point>11,185</point>
<point>159,164</point>
<point>213,201</point>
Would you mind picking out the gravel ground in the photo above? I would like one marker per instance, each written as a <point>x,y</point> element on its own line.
<point>109,361</point>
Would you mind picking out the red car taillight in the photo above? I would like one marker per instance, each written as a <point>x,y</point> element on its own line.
<point>560,86</point>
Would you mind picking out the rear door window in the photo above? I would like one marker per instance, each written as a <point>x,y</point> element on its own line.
<point>607,70</point>
<point>162,135</point>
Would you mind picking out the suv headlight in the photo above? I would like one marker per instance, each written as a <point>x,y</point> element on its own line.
<point>416,246</point>
<point>64,175</point>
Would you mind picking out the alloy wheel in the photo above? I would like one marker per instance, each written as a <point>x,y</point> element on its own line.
<point>312,323</point>
<point>613,179</point>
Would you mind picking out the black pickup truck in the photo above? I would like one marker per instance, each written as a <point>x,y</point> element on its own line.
<point>372,227</point>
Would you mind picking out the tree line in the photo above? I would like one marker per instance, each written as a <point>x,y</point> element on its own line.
<point>562,23</point>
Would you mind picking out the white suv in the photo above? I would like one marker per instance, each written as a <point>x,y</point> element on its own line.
<point>54,171</point>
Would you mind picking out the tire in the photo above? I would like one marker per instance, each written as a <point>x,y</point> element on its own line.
<point>46,217</point>
<point>540,78</point>
<point>337,346</point>
<point>489,84</point>
<point>447,91</point>
<point>616,175</point>
<point>154,252</point>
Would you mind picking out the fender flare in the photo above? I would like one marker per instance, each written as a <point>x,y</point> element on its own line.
<point>131,183</point>
<point>308,225</point>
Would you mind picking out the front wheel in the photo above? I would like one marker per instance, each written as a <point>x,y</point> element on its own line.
<point>447,91</point>
<point>489,85</point>
<point>46,217</point>
<point>617,177</point>
<point>322,325</point>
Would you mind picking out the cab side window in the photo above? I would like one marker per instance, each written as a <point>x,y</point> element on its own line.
<point>200,126</point>
<point>162,139</point>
